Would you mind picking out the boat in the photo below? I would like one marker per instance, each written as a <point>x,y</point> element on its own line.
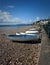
<point>20,33</point>
<point>27,36</point>
<point>23,37</point>
<point>35,29</point>
<point>32,32</point>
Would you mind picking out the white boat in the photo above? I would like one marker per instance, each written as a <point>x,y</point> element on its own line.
<point>32,32</point>
<point>21,33</point>
<point>34,29</point>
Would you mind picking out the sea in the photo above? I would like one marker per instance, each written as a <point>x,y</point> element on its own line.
<point>18,25</point>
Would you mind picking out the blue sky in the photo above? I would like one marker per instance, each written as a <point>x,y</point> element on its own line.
<point>23,11</point>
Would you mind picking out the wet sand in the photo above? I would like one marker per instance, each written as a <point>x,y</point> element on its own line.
<point>13,30</point>
<point>17,53</point>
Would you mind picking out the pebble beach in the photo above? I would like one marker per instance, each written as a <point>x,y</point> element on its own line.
<point>17,53</point>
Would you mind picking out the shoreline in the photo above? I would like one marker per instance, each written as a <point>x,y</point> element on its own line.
<point>13,30</point>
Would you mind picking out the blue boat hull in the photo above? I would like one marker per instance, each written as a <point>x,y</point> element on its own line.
<point>23,37</point>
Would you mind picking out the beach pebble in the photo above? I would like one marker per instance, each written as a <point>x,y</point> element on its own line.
<point>18,53</point>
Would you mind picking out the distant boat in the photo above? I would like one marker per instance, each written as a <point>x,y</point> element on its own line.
<point>34,30</point>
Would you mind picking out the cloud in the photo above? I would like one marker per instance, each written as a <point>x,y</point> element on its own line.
<point>7,18</point>
<point>11,6</point>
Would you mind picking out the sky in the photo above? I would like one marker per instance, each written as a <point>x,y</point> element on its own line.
<point>23,11</point>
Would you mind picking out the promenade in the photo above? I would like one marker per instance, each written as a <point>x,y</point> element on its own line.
<point>45,50</point>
